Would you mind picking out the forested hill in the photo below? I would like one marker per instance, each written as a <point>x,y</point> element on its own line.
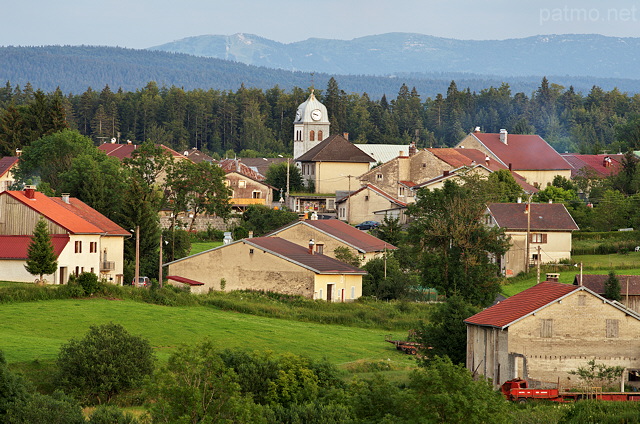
<point>75,68</point>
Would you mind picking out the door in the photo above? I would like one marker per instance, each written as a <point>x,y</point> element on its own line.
<point>330,292</point>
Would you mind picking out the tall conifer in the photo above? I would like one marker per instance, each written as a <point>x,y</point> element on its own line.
<point>41,258</point>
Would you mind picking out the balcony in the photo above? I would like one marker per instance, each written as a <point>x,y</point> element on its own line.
<point>107,266</point>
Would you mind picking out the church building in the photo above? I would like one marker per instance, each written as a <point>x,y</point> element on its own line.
<point>310,126</point>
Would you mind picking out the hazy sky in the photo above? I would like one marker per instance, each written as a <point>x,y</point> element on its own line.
<point>146,23</point>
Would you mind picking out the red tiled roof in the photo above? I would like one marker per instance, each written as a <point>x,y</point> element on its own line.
<point>55,212</point>
<point>336,148</point>
<point>474,157</point>
<point>544,216</point>
<point>122,151</point>
<point>595,283</point>
<point>6,163</point>
<point>234,165</point>
<point>586,165</point>
<point>361,240</point>
<point>262,164</point>
<point>520,305</point>
<point>185,280</point>
<point>523,152</point>
<point>86,212</point>
<point>320,264</point>
<point>16,247</point>
<point>407,183</point>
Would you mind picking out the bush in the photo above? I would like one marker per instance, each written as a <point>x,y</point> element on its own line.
<point>38,408</point>
<point>106,361</point>
<point>108,414</point>
<point>89,282</point>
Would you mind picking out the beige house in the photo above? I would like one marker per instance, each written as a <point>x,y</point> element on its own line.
<point>366,203</point>
<point>528,155</point>
<point>328,234</point>
<point>7,164</point>
<point>334,165</point>
<point>269,264</point>
<point>548,330</point>
<point>541,232</point>
<point>84,240</point>
<point>247,185</point>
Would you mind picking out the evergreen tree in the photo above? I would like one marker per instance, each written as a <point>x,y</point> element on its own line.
<point>612,287</point>
<point>41,258</point>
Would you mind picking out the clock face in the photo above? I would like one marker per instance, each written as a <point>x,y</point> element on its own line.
<point>298,115</point>
<point>316,114</point>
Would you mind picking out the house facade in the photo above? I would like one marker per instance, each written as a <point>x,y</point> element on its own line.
<point>537,231</point>
<point>7,164</point>
<point>270,264</point>
<point>334,165</point>
<point>84,240</point>
<point>329,234</point>
<point>528,155</point>
<point>548,330</point>
<point>365,204</point>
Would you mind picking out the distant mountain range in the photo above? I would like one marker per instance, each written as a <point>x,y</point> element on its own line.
<point>388,54</point>
<point>376,65</point>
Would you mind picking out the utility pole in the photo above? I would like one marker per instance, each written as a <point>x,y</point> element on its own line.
<point>349,202</point>
<point>527,210</point>
<point>137,276</point>
<point>160,262</point>
<point>538,265</point>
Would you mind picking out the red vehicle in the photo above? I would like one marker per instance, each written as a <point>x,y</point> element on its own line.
<point>517,390</point>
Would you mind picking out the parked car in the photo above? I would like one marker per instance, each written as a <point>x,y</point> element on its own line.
<point>367,225</point>
<point>142,282</point>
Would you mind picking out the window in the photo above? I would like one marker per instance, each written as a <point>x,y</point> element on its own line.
<point>256,195</point>
<point>487,219</point>
<point>312,135</point>
<point>77,271</point>
<point>78,246</point>
<point>242,184</point>
<point>400,191</point>
<point>546,328</point>
<point>320,248</point>
<point>537,238</point>
<point>379,177</point>
<point>366,198</point>
<point>93,247</point>
<point>227,183</point>
<point>319,135</point>
<point>251,251</point>
<point>612,328</point>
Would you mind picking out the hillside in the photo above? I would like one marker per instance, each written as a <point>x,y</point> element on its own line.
<point>386,54</point>
<point>75,68</point>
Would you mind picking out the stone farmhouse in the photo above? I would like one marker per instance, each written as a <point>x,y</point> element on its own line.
<point>269,264</point>
<point>546,331</point>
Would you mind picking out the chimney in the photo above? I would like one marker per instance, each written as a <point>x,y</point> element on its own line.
<point>250,234</point>
<point>487,159</point>
<point>445,173</point>
<point>476,130</point>
<point>18,152</point>
<point>510,167</point>
<point>412,149</point>
<point>519,199</point>
<point>553,277</point>
<point>401,153</point>
<point>30,192</point>
<point>503,136</point>
<point>345,135</point>
<point>65,198</point>
<point>311,244</point>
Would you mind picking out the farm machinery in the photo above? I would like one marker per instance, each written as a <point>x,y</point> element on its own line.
<point>518,390</point>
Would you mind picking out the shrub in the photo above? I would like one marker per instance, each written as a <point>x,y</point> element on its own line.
<point>89,282</point>
<point>106,361</point>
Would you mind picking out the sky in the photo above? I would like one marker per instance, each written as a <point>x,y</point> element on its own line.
<point>145,23</point>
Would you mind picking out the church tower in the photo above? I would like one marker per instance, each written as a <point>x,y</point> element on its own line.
<point>310,126</point>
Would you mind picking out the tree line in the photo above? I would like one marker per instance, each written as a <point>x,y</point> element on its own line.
<point>254,122</point>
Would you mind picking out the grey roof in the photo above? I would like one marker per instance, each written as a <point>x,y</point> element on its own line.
<point>384,152</point>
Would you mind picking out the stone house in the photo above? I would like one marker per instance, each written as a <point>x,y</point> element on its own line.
<point>269,264</point>
<point>528,155</point>
<point>548,330</point>
<point>541,232</point>
<point>247,185</point>
<point>367,203</point>
<point>328,234</point>
<point>84,240</point>
<point>629,287</point>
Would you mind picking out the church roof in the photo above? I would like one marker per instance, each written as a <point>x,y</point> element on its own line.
<point>303,113</point>
<point>336,148</point>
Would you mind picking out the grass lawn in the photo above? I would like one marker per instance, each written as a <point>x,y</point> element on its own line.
<point>201,246</point>
<point>34,331</point>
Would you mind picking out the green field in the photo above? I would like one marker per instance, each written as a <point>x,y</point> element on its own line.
<point>34,331</point>
<point>201,246</point>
